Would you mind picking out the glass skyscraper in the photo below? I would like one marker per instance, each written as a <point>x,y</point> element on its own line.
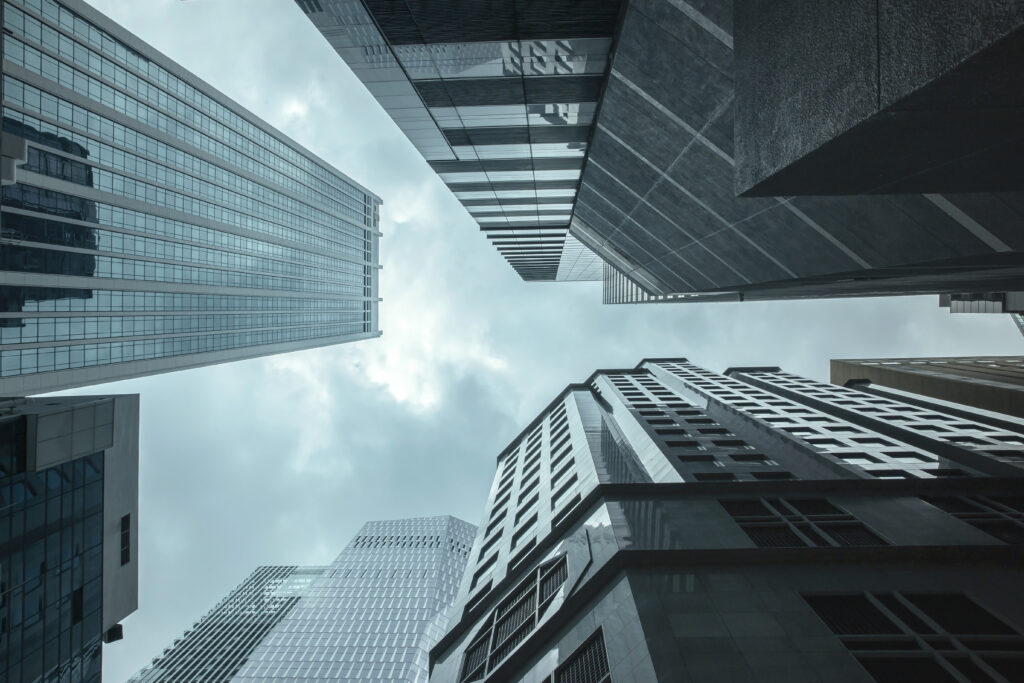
<point>669,523</point>
<point>69,471</point>
<point>150,223</point>
<point>500,101</point>
<point>372,615</point>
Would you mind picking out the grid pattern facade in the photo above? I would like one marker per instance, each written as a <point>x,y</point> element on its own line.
<point>994,383</point>
<point>632,481</point>
<point>51,567</point>
<point>60,534</point>
<point>375,612</point>
<point>501,104</point>
<point>151,224</point>
<point>217,645</point>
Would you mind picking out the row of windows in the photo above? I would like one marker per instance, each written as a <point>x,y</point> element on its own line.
<point>349,241</point>
<point>104,141</point>
<point>29,361</point>
<point>32,330</point>
<point>57,262</point>
<point>33,229</point>
<point>260,144</point>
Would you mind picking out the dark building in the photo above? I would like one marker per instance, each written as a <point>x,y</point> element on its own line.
<point>372,615</point>
<point>668,523</point>
<point>994,383</point>
<point>69,470</point>
<point>667,123</point>
<point>151,224</point>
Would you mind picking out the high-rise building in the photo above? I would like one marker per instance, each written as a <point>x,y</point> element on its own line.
<point>627,126</point>
<point>69,501</point>
<point>501,103</point>
<point>1010,303</point>
<point>150,223</point>
<point>372,615</point>
<point>993,383</point>
<point>668,523</point>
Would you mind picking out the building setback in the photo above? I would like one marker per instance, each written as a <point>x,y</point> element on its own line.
<point>669,523</point>
<point>666,115</point>
<point>150,223</point>
<point>994,383</point>
<point>372,615</point>
<point>69,501</point>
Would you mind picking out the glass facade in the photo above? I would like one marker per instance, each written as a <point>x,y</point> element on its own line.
<point>60,534</point>
<point>372,615</point>
<point>377,610</point>
<point>666,522</point>
<point>219,643</point>
<point>503,109</point>
<point>149,223</point>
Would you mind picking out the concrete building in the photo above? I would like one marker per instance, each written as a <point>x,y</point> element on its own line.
<point>149,223</point>
<point>991,383</point>
<point>668,523</point>
<point>668,106</point>
<point>69,533</point>
<point>372,615</point>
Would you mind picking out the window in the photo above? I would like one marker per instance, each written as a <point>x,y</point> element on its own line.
<point>795,523</point>
<point>907,636</point>
<point>126,539</point>
<point>514,618</point>
<point>996,516</point>
<point>714,476</point>
<point>777,474</point>
<point>588,664</point>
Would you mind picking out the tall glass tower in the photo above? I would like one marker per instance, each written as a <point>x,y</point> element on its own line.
<point>150,223</point>
<point>669,523</point>
<point>372,615</point>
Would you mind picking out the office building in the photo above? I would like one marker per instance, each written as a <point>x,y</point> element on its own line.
<point>372,615</point>
<point>659,104</point>
<point>150,223</point>
<point>1010,303</point>
<point>500,103</point>
<point>992,383</point>
<point>668,523</point>
<point>69,501</point>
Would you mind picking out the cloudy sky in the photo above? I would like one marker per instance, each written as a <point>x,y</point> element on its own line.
<point>280,460</point>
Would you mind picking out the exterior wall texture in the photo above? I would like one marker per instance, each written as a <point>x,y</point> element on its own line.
<point>150,224</point>
<point>499,98</point>
<point>670,523</point>
<point>993,383</point>
<point>615,121</point>
<point>372,615</point>
<point>68,533</point>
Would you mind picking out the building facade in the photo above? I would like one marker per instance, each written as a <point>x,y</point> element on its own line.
<point>69,470</point>
<point>669,523</point>
<point>992,383</point>
<point>372,615</point>
<point>150,223</point>
<point>657,102</point>
<point>500,101</point>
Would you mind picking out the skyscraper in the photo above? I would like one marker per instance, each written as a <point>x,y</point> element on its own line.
<point>502,106</point>
<point>669,523</point>
<point>69,526</point>
<point>993,383</point>
<point>372,615</point>
<point>662,125</point>
<point>150,223</point>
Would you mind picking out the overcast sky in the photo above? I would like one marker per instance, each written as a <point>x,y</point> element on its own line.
<point>280,460</point>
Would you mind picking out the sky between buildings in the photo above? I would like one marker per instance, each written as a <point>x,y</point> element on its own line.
<point>280,460</point>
